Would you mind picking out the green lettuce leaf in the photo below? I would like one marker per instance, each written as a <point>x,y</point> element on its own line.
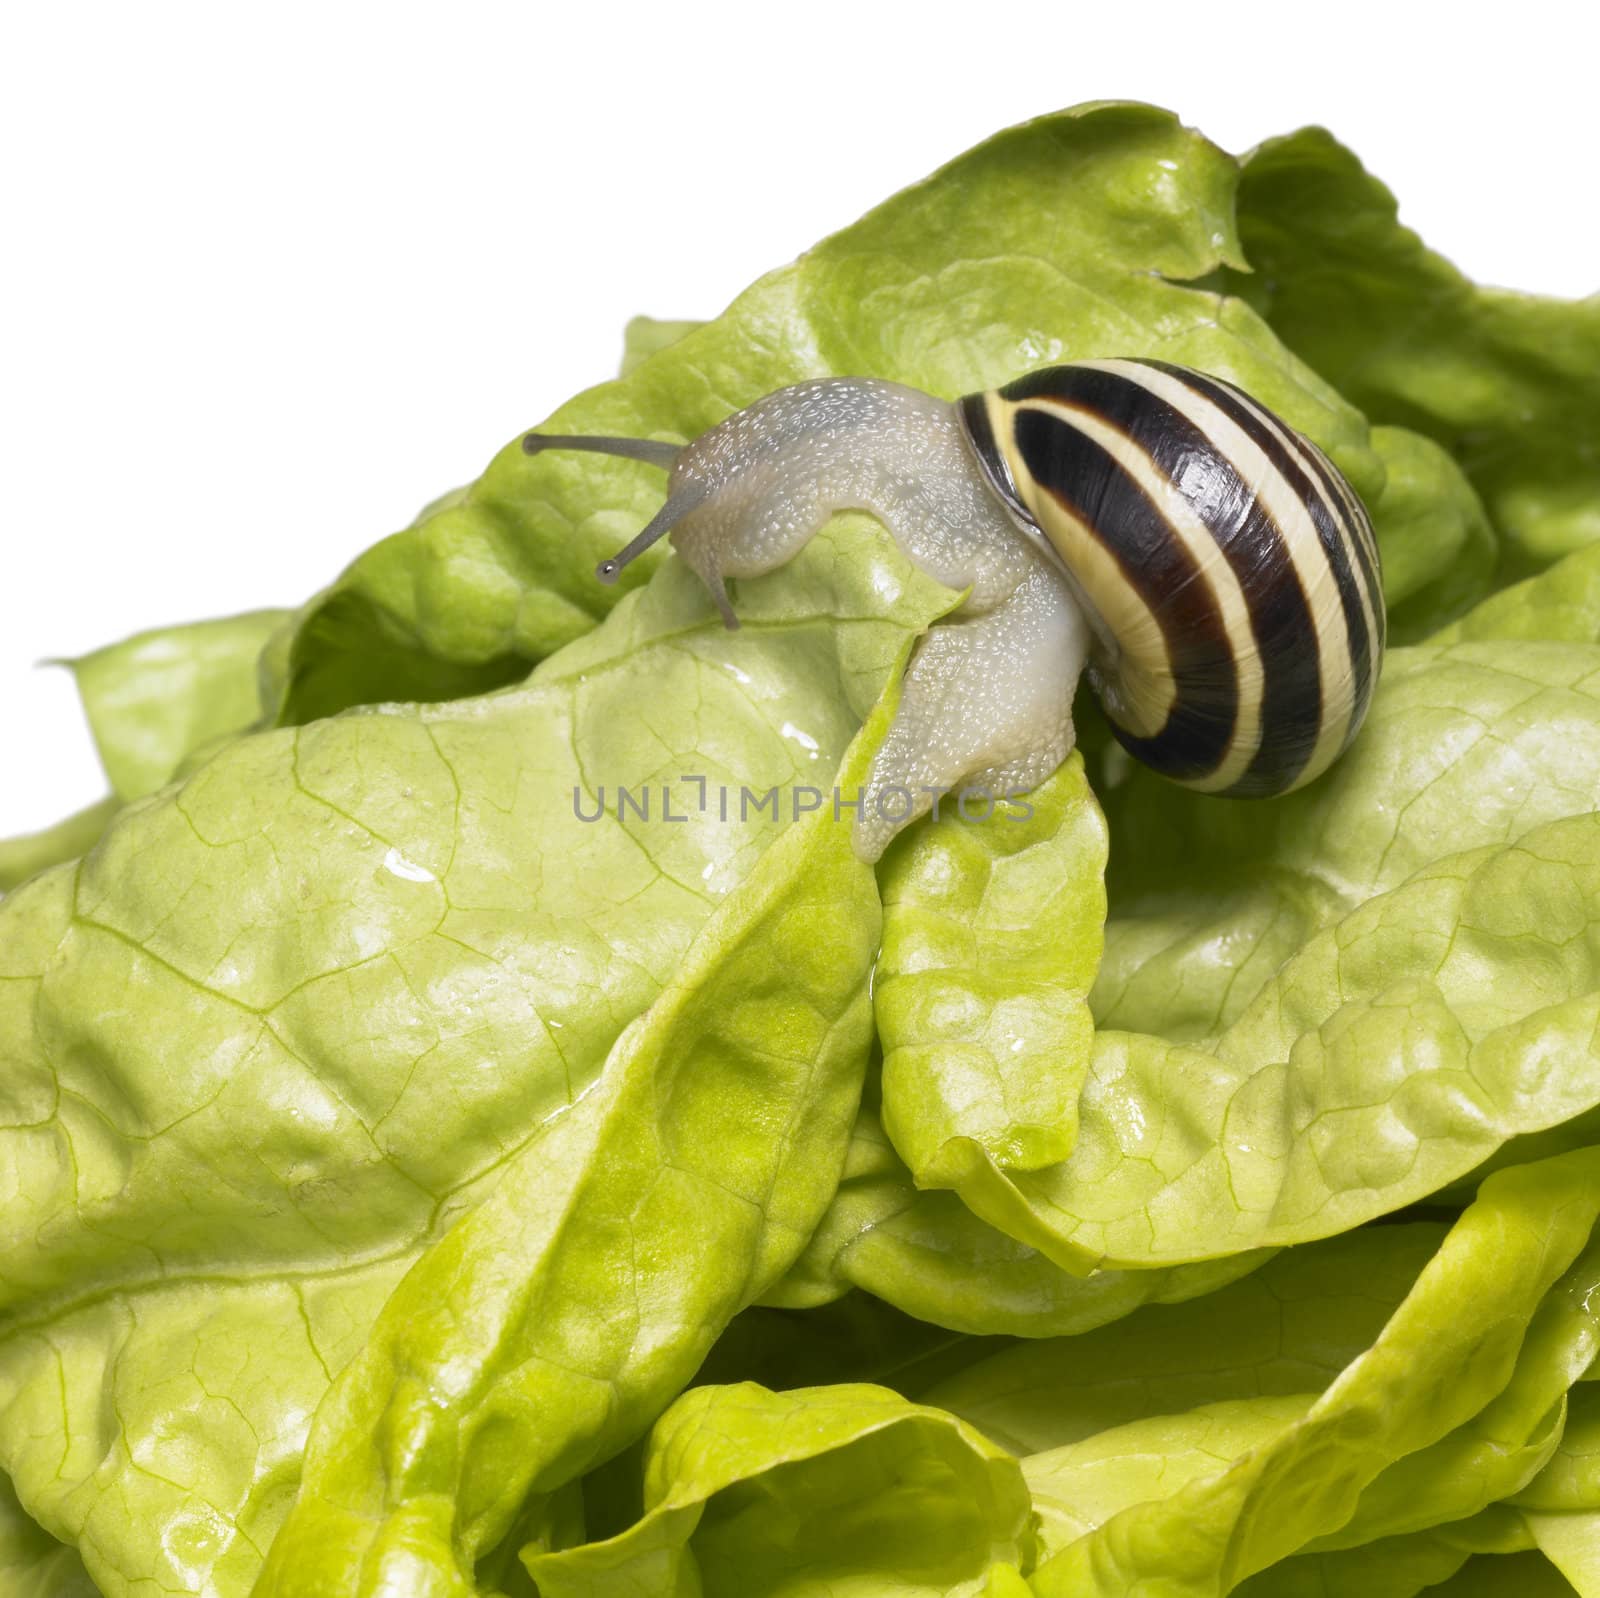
<point>644,335</point>
<point>1082,1487</point>
<point>1068,232</point>
<point>1076,1490</point>
<point>1256,1480</point>
<point>1174,1394</point>
<point>1399,1567</point>
<point>806,1494</point>
<point>1392,1054</point>
<point>990,944</point>
<point>1464,747</point>
<point>153,702</point>
<point>1287,1329</point>
<point>488,1377</point>
<point>1389,1056</point>
<point>931,1257</point>
<point>1571,1542</point>
<point>1508,1442</point>
<point>26,856</point>
<point>1362,962</point>
<point>1560,603</point>
<point>1509,383</point>
<point>1571,1480</point>
<point>299,1015</point>
<point>32,1563</point>
<point>156,698</point>
<point>1439,551</point>
<point>1561,1505</point>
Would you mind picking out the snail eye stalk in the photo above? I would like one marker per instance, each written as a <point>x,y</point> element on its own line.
<point>634,449</point>
<point>652,453</point>
<point>678,505</point>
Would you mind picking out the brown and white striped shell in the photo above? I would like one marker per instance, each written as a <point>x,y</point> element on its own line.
<point>1228,571</point>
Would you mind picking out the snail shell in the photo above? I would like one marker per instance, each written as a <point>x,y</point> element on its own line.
<point>1229,574</point>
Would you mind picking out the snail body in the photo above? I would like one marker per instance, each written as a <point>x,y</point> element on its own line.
<point>1208,565</point>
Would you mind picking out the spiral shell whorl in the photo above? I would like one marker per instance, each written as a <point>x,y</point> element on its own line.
<point>1229,572</point>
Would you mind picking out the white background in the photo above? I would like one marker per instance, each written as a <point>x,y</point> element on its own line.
<point>274,275</point>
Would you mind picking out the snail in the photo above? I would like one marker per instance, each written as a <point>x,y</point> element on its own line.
<point>1210,567</point>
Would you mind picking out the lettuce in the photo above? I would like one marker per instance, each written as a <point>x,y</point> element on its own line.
<point>487,1376</point>
<point>155,699</point>
<point>153,702</point>
<point>1509,383</point>
<point>234,1153</point>
<point>25,856</point>
<point>32,1563</point>
<point>427,1173</point>
<point>1254,1481</point>
<point>744,1489</point>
